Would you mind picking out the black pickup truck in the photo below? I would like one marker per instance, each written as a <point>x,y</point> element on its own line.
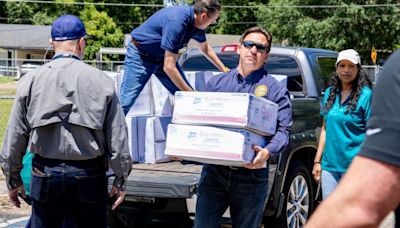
<point>159,194</point>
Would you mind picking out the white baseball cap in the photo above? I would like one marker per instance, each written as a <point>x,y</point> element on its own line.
<point>349,54</point>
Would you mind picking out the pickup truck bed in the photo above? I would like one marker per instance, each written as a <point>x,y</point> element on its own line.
<point>170,180</point>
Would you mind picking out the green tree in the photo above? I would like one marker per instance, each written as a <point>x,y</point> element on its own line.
<point>129,17</point>
<point>104,31</point>
<point>19,12</point>
<point>47,13</point>
<point>336,28</point>
<point>234,20</point>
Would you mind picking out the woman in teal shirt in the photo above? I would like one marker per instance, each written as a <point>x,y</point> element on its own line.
<point>346,109</point>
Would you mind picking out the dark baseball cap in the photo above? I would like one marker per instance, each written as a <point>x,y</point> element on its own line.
<point>67,27</point>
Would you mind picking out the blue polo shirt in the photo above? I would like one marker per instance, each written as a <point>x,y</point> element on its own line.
<point>169,29</point>
<point>344,132</point>
<point>261,84</point>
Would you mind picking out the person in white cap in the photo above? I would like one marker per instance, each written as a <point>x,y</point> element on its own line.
<point>345,110</point>
<point>371,187</point>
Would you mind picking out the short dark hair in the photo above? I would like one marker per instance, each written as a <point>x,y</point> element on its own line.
<point>257,29</point>
<point>207,6</point>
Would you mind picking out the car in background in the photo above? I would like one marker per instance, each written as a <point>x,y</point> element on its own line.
<point>28,66</point>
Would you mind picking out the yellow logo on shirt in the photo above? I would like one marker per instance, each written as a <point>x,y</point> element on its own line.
<point>261,90</point>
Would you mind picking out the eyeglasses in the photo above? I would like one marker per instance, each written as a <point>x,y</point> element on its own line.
<point>249,44</point>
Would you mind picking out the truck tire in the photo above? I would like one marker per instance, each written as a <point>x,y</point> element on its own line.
<point>298,192</point>
<point>121,219</point>
<point>113,220</point>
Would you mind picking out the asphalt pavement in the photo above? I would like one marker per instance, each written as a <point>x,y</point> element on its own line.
<point>21,221</point>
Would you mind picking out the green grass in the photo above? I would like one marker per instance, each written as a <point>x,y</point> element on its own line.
<point>5,109</point>
<point>10,88</point>
<point>7,92</point>
<point>5,104</point>
<point>7,79</point>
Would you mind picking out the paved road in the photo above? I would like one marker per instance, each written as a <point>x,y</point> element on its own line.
<point>15,223</point>
<point>13,220</point>
<point>11,216</point>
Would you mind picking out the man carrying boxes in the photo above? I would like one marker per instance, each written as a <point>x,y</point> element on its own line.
<point>243,120</point>
<point>244,187</point>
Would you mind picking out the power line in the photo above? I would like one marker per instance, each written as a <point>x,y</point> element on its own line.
<point>335,6</point>
<point>85,3</point>
<point>283,20</point>
<point>224,6</point>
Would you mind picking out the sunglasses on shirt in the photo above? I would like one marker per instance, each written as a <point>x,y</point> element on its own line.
<point>249,44</point>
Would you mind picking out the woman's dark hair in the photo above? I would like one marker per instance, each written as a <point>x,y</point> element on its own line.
<point>207,6</point>
<point>359,82</point>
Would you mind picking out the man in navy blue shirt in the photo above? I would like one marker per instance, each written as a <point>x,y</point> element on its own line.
<point>244,189</point>
<point>155,45</point>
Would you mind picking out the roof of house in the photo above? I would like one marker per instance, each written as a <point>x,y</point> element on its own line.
<point>36,37</point>
<point>212,39</point>
<point>217,40</point>
<point>33,37</point>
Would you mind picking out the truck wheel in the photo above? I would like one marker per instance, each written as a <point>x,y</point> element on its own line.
<point>121,219</point>
<point>113,220</point>
<point>298,192</point>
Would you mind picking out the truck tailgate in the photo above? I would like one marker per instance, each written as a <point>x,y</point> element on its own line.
<point>170,180</point>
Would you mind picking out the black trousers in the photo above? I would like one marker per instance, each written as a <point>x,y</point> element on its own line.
<point>73,191</point>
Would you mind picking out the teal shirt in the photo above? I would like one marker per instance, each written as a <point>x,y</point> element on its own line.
<point>344,132</point>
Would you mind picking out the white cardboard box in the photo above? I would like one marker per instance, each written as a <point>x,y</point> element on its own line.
<point>238,110</point>
<point>159,94</point>
<point>147,138</point>
<point>281,78</point>
<point>199,79</point>
<point>150,100</point>
<point>144,104</point>
<point>212,145</point>
<point>156,133</point>
<point>132,134</point>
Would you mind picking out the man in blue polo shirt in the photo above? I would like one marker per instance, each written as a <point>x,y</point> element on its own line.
<point>244,190</point>
<point>155,45</point>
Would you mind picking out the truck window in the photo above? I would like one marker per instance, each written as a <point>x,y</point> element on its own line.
<point>201,63</point>
<point>327,66</point>
<point>281,65</point>
<point>286,65</point>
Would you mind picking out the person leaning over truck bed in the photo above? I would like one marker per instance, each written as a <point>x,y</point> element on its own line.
<point>155,45</point>
<point>346,107</point>
<point>371,187</point>
<point>68,114</point>
<point>244,189</point>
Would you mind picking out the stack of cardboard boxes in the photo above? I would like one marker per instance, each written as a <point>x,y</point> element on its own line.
<point>216,128</point>
<point>219,128</point>
<point>149,117</point>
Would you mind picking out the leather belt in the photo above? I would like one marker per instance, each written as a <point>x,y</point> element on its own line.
<point>134,42</point>
<point>145,54</point>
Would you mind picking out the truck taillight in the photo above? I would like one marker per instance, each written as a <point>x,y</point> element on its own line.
<point>229,48</point>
